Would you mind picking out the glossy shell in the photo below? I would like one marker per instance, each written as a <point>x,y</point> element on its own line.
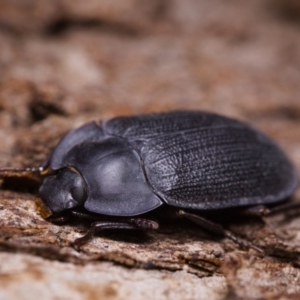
<point>192,160</point>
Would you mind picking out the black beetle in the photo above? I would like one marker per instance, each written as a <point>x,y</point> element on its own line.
<point>193,161</point>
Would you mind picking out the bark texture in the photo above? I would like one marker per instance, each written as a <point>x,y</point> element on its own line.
<point>63,63</point>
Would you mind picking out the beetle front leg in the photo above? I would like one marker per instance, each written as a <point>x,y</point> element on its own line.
<point>59,219</point>
<point>68,216</point>
<point>131,224</point>
<point>218,229</point>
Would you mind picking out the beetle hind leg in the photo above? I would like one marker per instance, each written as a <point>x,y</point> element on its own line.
<point>217,229</point>
<point>131,224</point>
<point>262,210</point>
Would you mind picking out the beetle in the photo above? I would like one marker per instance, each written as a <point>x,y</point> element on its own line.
<point>184,161</point>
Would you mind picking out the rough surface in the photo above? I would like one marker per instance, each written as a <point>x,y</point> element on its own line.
<point>63,63</point>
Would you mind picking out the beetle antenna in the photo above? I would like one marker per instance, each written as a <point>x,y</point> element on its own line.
<point>30,173</point>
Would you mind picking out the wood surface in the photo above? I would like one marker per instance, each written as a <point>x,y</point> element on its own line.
<point>63,63</point>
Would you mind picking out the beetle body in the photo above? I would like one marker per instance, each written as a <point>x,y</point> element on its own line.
<point>128,166</point>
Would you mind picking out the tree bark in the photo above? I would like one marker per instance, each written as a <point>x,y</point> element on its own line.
<point>63,64</point>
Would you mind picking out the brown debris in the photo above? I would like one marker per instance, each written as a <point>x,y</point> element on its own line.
<point>251,277</point>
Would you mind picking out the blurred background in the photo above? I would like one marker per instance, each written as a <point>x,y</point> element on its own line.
<point>68,61</point>
<point>65,62</point>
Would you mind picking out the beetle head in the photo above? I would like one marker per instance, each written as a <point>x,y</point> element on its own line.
<point>63,191</point>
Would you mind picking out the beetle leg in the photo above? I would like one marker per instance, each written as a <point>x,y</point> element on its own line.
<point>257,211</point>
<point>144,223</point>
<point>131,224</point>
<point>218,229</point>
<point>59,219</point>
<point>262,210</point>
<point>71,214</point>
<point>140,223</point>
<point>83,215</point>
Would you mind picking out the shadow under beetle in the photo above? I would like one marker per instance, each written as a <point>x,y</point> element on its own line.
<point>191,161</point>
